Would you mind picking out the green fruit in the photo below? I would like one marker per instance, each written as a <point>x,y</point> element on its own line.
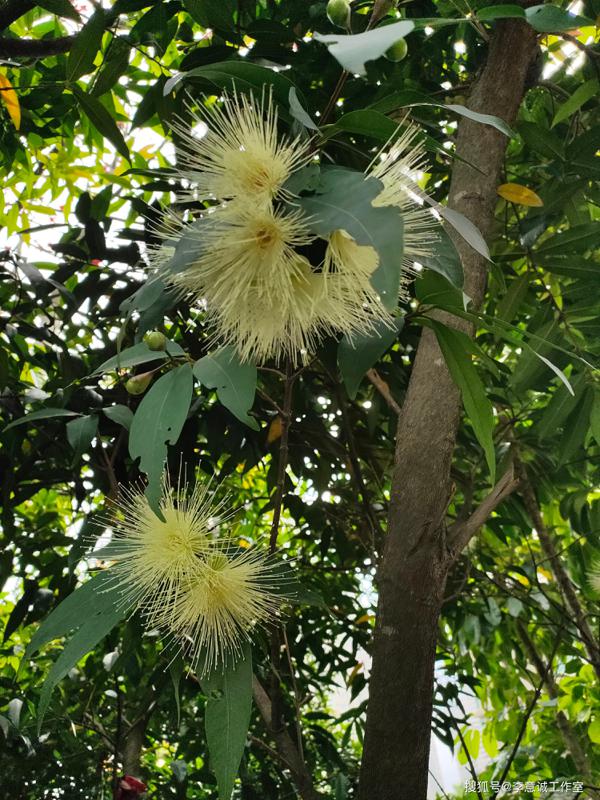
<point>338,12</point>
<point>397,51</point>
<point>138,383</point>
<point>155,340</point>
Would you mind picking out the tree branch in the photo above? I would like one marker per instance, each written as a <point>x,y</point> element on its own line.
<point>34,48</point>
<point>383,389</point>
<point>286,749</point>
<point>460,534</point>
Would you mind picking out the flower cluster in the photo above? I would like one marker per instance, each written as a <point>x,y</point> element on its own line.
<point>271,288</point>
<point>186,578</point>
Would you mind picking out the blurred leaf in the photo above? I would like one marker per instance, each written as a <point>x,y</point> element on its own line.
<point>43,413</point>
<point>548,18</point>
<point>80,433</point>
<point>137,354</point>
<point>579,97</point>
<point>61,8</point>
<point>120,414</point>
<point>501,11</point>
<point>115,64</point>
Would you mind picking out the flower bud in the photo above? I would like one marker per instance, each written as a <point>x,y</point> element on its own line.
<point>338,12</point>
<point>155,340</point>
<point>397,51</point>
<point>138,384</point>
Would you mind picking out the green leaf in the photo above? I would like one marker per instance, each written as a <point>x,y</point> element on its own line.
<point>547,18</point>
<point>212,13</point>
<point>80,433</point>
<point>469,232</point>
<point>298,112</point>
<point>576,427</point>
<point>62,8</point>
<point>457,347</point>
<point>594,730</point>
<point>484,119</point>
<point>114,66</point>
<point>560,406</point>
<point>541,140</point>
<point>85,46</point>
<point>137,354</point>
<point>101,120</point>
<point>120,414</point>
<point>366,122</point>
<point>353,51</point>
<point>107,612</point>
<point>43,413</point>
<point>577,239</point>
<point>344,202</point>
<point>235,382</point>
<point>357,355</point>
<point>69,614</point>
<point>227,718</point>
<point>243,76</point>
<point>511,302</point>
<point>157,421</point>
<point>579,97</point>
<point>444,259</point>
<point>502,11</point>
<point>595,417</point>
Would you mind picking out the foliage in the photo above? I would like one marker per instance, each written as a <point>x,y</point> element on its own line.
<point>85,171</point>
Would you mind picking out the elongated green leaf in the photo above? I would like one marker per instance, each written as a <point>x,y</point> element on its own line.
<point>541,140</point>
<point>353,51</point>
<point>444,259</point>
<point>579,97</point>
<point>70,614</point>
<point>120,414</point>
<point>457,347</point>
<point>548,18</point>
<point>106,613</point>
<point>366,122</point>
<point>576,427</point>
<point>137,354</point>
<point>484,119</point>
<point>469,232</point>
<point>576,240</point>
<point>227,718</point>
<point>115,64</point>
<point>298,112</point>
<point>86,45</point>
<point>344,202</point>
<point>80,433</point>
<point>158,420</point>
<point>101,120</point>
<point>235,382</point>
<point>560,406</point>
<point>62,8</point>
<point>501,11</point>
<point>43,413</point>
<point>595,417</point>
<point>357,355</point>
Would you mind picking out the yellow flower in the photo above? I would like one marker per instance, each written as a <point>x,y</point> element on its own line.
<point>251,278</point>
<point>231,593</point>
<point>153,556</point>
<point>351,305</point>
<point>396,170</point>
<point>241,155</point>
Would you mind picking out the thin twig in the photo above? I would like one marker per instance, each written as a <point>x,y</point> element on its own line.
<point>383,389</point>
<point>286,416</point>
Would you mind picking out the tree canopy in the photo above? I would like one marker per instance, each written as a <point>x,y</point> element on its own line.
<point>329,457</point>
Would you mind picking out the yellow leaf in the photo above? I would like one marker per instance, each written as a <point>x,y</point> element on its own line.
<point>521,195</point>
<point>275,429</point>
<point>354,673</point>
<point>10,100</point>
<point>365,618</point>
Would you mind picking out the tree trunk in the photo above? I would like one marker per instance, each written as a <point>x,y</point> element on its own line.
<point>415,561</point>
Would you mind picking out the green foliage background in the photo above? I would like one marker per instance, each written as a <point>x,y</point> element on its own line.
<point>80,195</point>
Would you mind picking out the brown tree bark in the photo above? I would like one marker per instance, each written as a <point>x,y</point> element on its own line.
<point>416,559</point>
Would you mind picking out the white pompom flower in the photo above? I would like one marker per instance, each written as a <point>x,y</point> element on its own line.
<point>232,592</point>
<point>242,155</point>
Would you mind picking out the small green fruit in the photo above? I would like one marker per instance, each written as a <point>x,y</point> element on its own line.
<point>338,12</point>
<point>155,340</point>
<point>397,51</point>
<point>138,383</point>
